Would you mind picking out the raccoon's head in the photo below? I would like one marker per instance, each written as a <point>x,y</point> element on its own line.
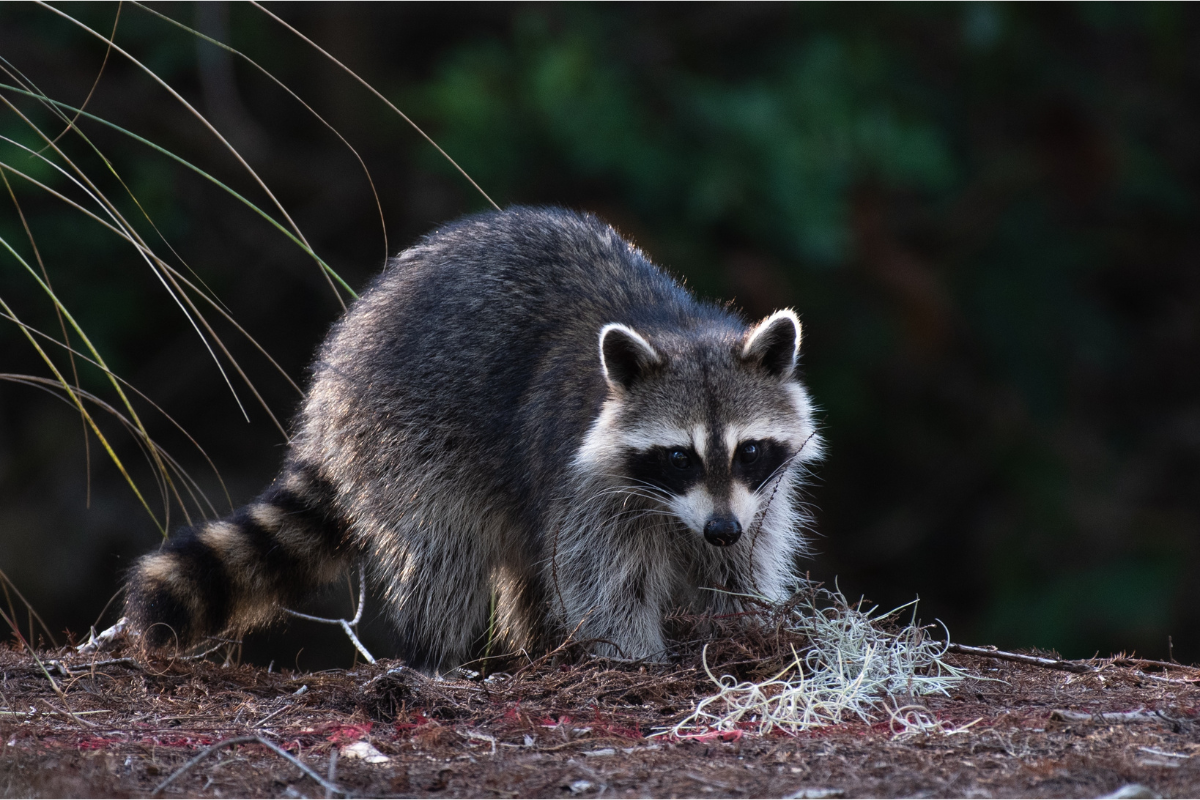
<point>709,421</point>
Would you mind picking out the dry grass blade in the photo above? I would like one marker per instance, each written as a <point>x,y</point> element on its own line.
<point>53,683</point>
<point>62,324</point>
<point>203,121</point>
<point>111,209</point>
<point>140,433</point>
<point>189,165</point>
<point>143,248</point>
<point>171,279</point>
<point>112,37</point>
<point>376,92</point>
<point>75,398</point>
<point>178,287</point>
<point>146,253</point>
<point>133,429</point>
<point>8,584</point>
<point>148,446</point>
<point>165,273</point>
<point>296,97</point>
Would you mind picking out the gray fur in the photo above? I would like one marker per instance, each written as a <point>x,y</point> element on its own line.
<point>466,433</point>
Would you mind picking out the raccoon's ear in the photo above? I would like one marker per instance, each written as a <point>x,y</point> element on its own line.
<point>773,343</point>
<point>625,356</point>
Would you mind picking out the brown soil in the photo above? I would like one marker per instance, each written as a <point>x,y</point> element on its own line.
<point>579,727</point>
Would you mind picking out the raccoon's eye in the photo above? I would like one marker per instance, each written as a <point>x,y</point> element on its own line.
<point>679,459</point>
<point>747,452</point>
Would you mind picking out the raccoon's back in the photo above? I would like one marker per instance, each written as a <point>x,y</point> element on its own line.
<point>476,349</point>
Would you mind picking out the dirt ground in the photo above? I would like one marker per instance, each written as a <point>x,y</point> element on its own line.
<point>578,727</point>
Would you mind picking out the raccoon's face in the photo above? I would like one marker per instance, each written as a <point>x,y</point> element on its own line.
<point>710,423</point>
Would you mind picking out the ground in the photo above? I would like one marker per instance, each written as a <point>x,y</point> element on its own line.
<point>569,727</point>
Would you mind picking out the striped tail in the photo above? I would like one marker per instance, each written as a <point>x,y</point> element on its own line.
<point>234,574</point>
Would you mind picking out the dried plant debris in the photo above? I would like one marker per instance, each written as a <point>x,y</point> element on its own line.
<point>845,663</point>
<point>125,724</point>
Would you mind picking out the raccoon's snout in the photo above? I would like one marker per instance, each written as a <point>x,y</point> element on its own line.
<point>722,531</point>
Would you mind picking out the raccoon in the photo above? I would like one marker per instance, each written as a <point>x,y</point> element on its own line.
<point>522,416</point>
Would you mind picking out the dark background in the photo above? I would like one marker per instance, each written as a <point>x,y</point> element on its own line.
<point>986,216</point>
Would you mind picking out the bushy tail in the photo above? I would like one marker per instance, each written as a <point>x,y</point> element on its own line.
<point>230,575</point>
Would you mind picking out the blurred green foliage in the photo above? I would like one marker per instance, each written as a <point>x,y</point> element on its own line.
<point>986,215</point>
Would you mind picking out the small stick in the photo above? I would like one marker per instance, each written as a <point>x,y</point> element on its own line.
<point>1146,662</point>
<point>483,737</point>
<point>396,671</point>
<point>1141,715</point>
<point>262,721</point>
<point>126,661</point>
<point>1063,664</point>
<point>1184,681</point>
<point>333,757</point>
<point>123,662</point>
<point>1037,661</point>
<point>329,786</point>
<point>106,637</point>
<point>344,623</point>
<point>52,710</point>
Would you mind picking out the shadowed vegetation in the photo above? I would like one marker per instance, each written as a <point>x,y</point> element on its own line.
<point>984,214</point>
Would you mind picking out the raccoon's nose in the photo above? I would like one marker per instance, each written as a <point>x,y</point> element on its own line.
<point>722,531</point>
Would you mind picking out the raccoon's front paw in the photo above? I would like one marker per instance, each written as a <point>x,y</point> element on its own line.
<point>650,651</point>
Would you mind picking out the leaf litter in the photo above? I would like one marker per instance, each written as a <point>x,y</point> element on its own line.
<point>813,698</point>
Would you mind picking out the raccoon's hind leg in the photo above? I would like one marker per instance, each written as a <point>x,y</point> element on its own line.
<point>234,574</point>
<point>520,611</point>
<point>440,569</point>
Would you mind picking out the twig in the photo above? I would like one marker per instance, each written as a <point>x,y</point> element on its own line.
<point>1141,715</point>
<point>592,742</point>
<point>346,624</point>
<point>1184,681</point>
<point>7,583</point>
<point>329,786</point>
<point>65,668</point>
<point>112,662</point>
<point>1137,663</point>
<point>124,661</point>
<point>708,782</point>
<point>1037,661</point>
<point>105,639</point>
<point>1081,667</point>
<point>573,743</point>
<point>333,757</point>
<point>52,710</point>
<point>268,716</point>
